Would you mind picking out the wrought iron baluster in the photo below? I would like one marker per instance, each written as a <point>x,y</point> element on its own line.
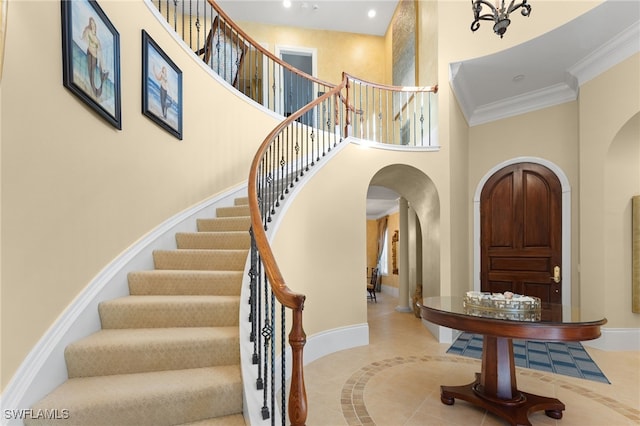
<point>267,332</point>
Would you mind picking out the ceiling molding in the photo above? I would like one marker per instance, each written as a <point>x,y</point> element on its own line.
<point>528,102</point>
<point>609,54</point>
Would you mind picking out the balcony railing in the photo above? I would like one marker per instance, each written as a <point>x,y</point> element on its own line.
<point>238,59</point>
<point>317,116</point>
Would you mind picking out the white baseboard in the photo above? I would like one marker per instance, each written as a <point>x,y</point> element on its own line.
<point>337,339</point>
<point>44,368</point>
<point>316,347</point>
<point>617,339</point>
<point>393,291</point>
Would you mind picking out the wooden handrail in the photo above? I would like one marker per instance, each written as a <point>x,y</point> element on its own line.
<point>297,407</point>
<point>433,89</point>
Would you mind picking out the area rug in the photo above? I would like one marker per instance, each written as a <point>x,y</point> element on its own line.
<point>569,359</point>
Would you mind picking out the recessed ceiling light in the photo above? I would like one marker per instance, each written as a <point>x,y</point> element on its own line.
<point>286,3</point>
<point>371,13</point>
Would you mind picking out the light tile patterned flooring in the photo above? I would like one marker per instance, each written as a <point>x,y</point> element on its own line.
<point>395,381</point>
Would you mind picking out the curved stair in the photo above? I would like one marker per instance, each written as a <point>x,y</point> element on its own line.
<point>169,353</point>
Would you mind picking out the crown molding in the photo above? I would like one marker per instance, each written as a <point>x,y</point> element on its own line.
<point>608,55</point>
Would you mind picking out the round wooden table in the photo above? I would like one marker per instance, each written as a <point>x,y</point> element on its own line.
<point>494,388</point>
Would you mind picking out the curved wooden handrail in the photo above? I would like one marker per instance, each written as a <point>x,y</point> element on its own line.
<point>284,295</point>
<point>297,406</point>
<point>390,88</point>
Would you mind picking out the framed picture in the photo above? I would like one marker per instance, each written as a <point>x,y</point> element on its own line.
<point>161,87</point>
<point>91,58</point>
<point>224,51</point>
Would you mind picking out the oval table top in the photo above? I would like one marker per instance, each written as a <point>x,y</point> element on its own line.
<point>556,323</point>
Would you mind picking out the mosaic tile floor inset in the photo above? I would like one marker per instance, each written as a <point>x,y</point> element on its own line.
<point>569,359</point>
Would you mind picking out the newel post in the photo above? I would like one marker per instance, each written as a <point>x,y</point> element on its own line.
<point>298,392</point>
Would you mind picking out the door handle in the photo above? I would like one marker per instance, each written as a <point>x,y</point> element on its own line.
<point>556,274</point>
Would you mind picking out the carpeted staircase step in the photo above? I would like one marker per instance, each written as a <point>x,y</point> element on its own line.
<point>154,399</point>
<point>169,311</point>
<point>233,420</point>
<point>230,240</point>
<point>241,201</point>
<point>171,282</point>
<point>237,210</point>
<point>242,223</point>
<point>127,351</point>
<point>201,260</point>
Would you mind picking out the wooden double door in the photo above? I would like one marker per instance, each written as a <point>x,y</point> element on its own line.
<point>521,232</point>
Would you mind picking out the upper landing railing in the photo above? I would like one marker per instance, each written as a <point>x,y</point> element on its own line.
<point>402,116</point>
<point>317,116</point>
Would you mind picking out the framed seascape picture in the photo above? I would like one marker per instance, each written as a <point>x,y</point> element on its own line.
<point>161,87</point>
<point>91,58</point>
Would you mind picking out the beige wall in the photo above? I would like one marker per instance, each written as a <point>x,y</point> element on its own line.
<point>593,140</point>
<point>307,238</point>
<point>75,191</point>
<point>456,42</point>
<point>609,175</point>
<point>550,134</point>
<point>362,56</point>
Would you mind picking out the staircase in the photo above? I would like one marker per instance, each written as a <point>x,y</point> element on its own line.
<point>169,353</point>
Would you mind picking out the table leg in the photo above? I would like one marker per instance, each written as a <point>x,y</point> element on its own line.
<point>495,388</point>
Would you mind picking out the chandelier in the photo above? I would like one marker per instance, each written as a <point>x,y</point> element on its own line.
<point>498,14</point>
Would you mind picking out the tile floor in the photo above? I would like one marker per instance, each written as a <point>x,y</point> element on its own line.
<point>395,381</point>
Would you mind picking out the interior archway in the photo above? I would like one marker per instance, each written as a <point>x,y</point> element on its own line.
<point>621,183</point>
<point>421,193</point>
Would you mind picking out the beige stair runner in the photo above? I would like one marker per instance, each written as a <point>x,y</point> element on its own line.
<point>169,353</point>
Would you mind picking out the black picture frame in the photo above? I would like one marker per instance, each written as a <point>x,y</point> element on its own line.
<point>161,87</point>
<point>91,58</point>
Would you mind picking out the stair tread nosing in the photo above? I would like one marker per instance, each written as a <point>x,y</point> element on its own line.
<point>233,211</point>
<point>186,282</point>
<point>169,311</point>
<point>126,351</point>
<point>213,240</point>
<point>233,223</point>
<point>201,259</point>
<point>155,398</point>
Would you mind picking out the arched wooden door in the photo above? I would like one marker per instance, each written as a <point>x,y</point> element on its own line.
<point>521,232</point>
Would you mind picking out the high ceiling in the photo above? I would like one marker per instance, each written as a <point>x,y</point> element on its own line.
<point>536,74</point>
<point>348,16</point>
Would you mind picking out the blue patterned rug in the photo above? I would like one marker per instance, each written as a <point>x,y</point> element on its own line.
<point>570,359</point>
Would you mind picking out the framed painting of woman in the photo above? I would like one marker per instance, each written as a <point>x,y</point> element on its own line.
<point>91,58</point>
<point>161,87</point>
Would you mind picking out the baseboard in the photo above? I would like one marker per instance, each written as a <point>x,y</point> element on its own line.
<point>337,339</point>
<point>317,346</point>
<point>44,368</point>
<point>617,339</point>
<point>393,291</point>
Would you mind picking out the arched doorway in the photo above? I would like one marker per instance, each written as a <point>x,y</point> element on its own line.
<point>521,232</point>
<point>419,191</point>
<point>565,223</point>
